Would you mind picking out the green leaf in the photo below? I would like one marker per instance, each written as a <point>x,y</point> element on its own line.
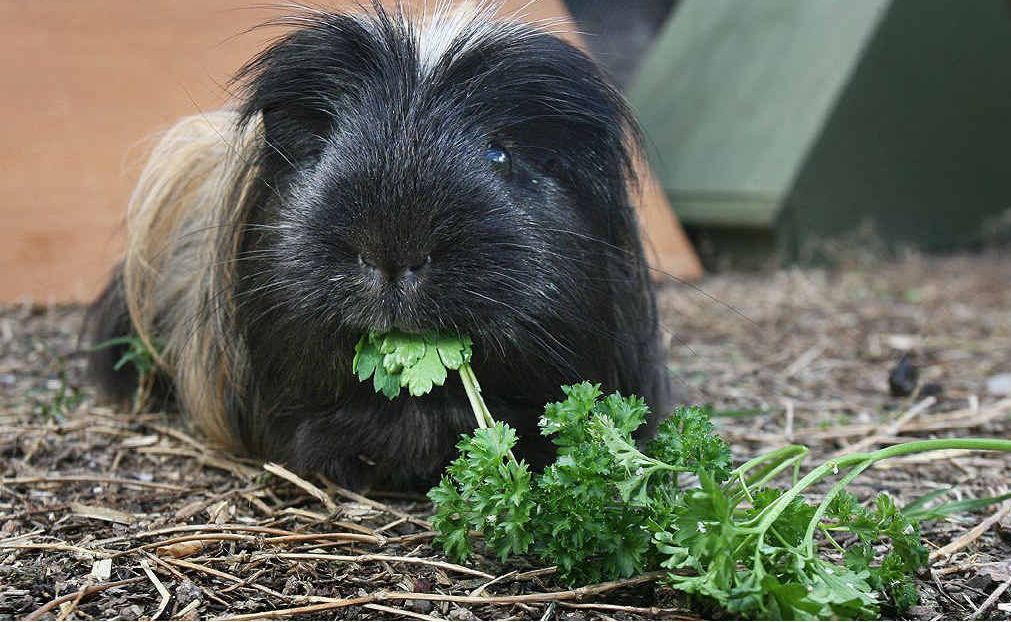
<point>423,373</point>
<point>416,362</point>
<point>367,358</point>
<point>488,491</point>
<point>453,351</point>
<point>386,383</point>
<point>402,351</point>
<point>916,510</point>
<point>687,439</point>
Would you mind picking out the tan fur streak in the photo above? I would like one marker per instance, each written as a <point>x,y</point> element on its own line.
<point>183,230</point>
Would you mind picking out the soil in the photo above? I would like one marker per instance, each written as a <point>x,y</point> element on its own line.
<point>786,356</point>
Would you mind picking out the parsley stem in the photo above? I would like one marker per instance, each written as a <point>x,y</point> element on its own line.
<point>771,513</point>
<point>823,506</point>
<point>771,463</point>
<point>481,413</point>
<point>473,389</point>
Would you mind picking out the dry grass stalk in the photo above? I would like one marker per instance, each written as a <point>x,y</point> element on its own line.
<point>542,597</point>
<point>972,535</point>
<point>162,591</point>
<point>310,488</point>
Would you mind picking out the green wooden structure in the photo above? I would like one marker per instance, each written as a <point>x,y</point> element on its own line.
<point>777,122</point>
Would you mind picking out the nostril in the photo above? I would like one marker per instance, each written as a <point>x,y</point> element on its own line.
<point>420,265</point>
<point>394,270</point>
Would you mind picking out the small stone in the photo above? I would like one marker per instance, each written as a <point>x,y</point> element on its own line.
<point>102,569</point>
<point>419,606</point>
<point>461,613</point>
<point>902,342</point>
<point>186,592</point>
<point>903,378</point>
<point>999,384</point>
<point>422,585</point>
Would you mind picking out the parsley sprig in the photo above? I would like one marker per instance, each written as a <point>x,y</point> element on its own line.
<point>607,508</point>
<point>418,362</point>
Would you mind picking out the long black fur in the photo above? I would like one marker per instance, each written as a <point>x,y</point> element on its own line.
<point>368,160</point>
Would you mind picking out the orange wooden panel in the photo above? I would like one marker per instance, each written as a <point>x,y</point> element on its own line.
<point>86,85</point>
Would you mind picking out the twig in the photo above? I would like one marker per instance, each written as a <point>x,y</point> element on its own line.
<point>802,361</point>
<point>989,602</point>
<point>400,612</point>
<point>543,597</point>
<point>224,575</point>
<point>788,425</point>
<point>310,488</point>
<point>23,536</point>
<point>375,557</point>
<point>175,572</point>
<point>201,568</point>
<point>970,564</point>
<point>376,505</point>
<point>185,611</point>
<point>313,517</point>
<point>90,479</point>
<point>540,572</point>
<point>206,458</point>
<point>972,535</point>
<point>73,605</point>
<point>81,593</point>
<point>886,430</point>
<point>158,585</point>
<point>69,548</point>
<point>481,588</point>
<point>963,418</point>
<point>333,538</point>
<point>299,611</point>
<point>654,613</point>
<point>218,537</point>
<point>202,527</point>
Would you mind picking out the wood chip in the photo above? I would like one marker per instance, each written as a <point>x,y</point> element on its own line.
<point>140,441</point>
<point>182,549</point>
<point>102,513</point>
<point>101,569</point>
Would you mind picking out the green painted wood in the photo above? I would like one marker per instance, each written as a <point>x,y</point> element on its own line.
<point>735,93</point>
<point>919,144</point>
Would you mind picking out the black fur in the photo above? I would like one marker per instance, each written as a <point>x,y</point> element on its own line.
<point>107,320</point>
<point>372,166</point>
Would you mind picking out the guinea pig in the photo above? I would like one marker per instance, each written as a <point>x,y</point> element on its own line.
<point>462,174</point>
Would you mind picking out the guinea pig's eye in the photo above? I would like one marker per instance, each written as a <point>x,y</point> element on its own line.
<point>498,158</point>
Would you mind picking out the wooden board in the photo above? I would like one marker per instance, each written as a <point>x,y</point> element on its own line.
<point>85,87</point>
<point>735,94</point>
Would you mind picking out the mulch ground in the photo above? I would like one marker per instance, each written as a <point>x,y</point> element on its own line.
<point>104,514</point>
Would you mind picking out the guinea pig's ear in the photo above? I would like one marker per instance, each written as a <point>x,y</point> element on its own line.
<point>298,84</point>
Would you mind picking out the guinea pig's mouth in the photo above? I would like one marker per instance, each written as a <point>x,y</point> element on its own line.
<point>409,325</point>
<point>390,315</point>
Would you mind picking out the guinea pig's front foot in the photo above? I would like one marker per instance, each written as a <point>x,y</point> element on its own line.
<point>406,449</point>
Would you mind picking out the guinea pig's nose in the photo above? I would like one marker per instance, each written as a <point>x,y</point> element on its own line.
<point>394,270</point>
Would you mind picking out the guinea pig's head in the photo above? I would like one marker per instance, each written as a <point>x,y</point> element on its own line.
<point>462,174</point>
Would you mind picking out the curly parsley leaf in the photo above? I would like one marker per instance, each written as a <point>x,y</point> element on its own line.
<point>484,489</point>
<point>687,439</point>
